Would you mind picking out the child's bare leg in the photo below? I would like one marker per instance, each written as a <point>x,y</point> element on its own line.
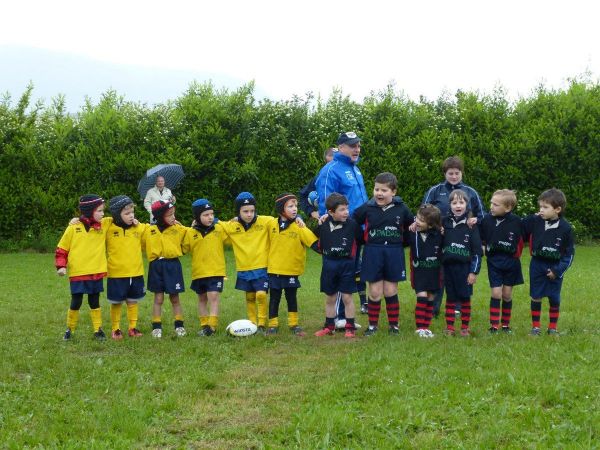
<point>349,305</point>
<point>330,305</point>
<point>330,313</point>
<point>159,298</point>
<point>203,309</point>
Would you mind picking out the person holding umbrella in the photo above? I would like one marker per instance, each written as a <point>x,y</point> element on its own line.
<point>158,193</point>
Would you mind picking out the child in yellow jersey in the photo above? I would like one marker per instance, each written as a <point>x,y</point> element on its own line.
<point>125,283</point>
<point>205,242</point>
<point>287,258</point>
<point>81,253</point>
<point>164,241</point>
<point>250,239</point>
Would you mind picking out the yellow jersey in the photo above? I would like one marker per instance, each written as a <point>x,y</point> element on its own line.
<point>167,244</point>
<point>251,246</point>
<point>287,255</point>
<point>124,250</point>
<point>86,249</point>
<point>208,256</point>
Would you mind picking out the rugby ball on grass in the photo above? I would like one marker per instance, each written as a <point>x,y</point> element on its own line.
<point>241,328</point>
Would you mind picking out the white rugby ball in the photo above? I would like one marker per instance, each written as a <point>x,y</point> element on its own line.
<point>241,328</point>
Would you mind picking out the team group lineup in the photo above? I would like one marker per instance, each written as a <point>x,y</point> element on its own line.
<point>361,241</point>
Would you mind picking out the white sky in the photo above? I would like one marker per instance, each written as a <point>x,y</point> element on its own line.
<point>425,47</point>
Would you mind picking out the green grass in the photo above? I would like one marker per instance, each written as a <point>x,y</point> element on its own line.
<point>287,392</point>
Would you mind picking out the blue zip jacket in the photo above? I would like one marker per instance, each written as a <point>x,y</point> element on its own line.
<point>438,196</point>
<point>343,176</point>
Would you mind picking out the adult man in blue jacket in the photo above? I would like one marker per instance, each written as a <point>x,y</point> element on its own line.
<point>343,176</point>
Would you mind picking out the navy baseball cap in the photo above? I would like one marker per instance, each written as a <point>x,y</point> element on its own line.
<point>348,138</point>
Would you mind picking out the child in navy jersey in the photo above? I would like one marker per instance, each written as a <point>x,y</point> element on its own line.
<point>502,236</point>
<point>461,257</point>
<point>552,250</point>
<point>385,218</point>
<point>338,242</point>
<point>425,258</point>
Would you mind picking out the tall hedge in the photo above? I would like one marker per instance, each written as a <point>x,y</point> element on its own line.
<point>227,141</point>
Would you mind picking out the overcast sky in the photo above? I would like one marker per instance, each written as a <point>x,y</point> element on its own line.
<point>292,47</point>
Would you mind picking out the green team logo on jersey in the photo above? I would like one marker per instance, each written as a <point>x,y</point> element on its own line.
<point>457,249</point>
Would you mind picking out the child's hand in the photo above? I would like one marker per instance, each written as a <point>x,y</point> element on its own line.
<point>315,215</point>
<point>551,274</point>
<point>323,218</point>
<point>234,219</point>
<point>61,272</point>
<point>74,221</point>
<point>472,222</point>
<point>471,279</point>
<point>300,222</point>
<point>413,227</point>
<point>193,223</point>
<point>135,221</point>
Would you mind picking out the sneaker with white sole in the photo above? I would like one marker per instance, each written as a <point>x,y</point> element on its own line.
<point>180,332</point>
<point>157,333</point>
<point>424,333</point>
<point>371,330</point>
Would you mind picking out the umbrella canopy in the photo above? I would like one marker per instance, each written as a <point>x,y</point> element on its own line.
<point>172,173</point>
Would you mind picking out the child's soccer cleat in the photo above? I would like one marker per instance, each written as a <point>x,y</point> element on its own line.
<point>553,332</point>
<point>99,335</point>
<point>117,335</point>
<point>393,329</point>
<point>157,333</point>
<point>67,336</point>
<point>298,331</point>
<point>324,332</point>
<point>364,309</point>
<point>134,332</point>
<point>371,330</point>
<point>535,331</point>
<point>261,331</point>
<point>206,331</point>
<point>465,332</point>
<point>180,332</point>
<point>506,330</point>
<point>424,333</point>
<point>449,332</point>
<point>350,333</point>
<point>493,330</point>
<point>272,331</point>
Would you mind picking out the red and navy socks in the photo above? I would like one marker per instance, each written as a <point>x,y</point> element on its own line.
<point>373,309</point>
<point>495,312</point>
<point>392,307</point>
<point>506,312</point>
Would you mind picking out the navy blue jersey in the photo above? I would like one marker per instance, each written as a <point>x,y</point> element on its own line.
<point>439,194</point>
<point>426,249</point>
<point>550,240</point>
<point>339,239</point>
<point>502,235</point>
<point>384,225</point>
<point>461,243</point>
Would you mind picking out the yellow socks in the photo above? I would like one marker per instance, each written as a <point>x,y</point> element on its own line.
<point>115,316</point>
<point>132,315</point>
<point>292,319</point>
<point>251,306</point>
<point>204,321</point>
<point>263,308</point>
<point>72,319</point>
<point>96,316</point>
<point>274,322</point>
<point>213,321</point>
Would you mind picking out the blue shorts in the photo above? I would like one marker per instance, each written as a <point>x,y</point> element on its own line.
<point>87,287</point>
<point>382,263</point>
<point>455,281</point>
<point>208,284</point>
<point>539,284</point>
<point>504,270</point>
<point>259,284</point>
<point>120,289</point>
<point>283,281</point>
<point>426,279</point>
<point>165,275</point>
<point>338,275</point>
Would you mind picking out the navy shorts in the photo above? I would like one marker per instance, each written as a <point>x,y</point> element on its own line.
<point>382,263</point>
<point>87,287</point>
<point>121,289</point>
<point>338,275</point>
<point>208,284</point>
<point>425,280</point>
<point>504,270</point>
<point>259,284</point>
<point>283,281</point>
<point>539,284</point>
<point>165,275</point>
<point>455,281</point>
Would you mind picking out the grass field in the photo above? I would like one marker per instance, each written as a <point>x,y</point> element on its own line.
<point>288,392</point>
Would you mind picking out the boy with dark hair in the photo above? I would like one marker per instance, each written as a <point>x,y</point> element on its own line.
<point>287,259</point>
<point>164,241</point>
<point>385,218</point>
<point>250,240</point>
<point>502,237</point>
<point>551,244</point>
<point>339,238</point>
<point>81,252</point>
<point>461,258</point>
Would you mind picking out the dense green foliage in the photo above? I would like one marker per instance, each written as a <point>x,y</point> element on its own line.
<point>228,142</point>
<point>284,392</point>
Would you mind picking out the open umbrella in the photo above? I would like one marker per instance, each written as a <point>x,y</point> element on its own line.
<point>172,173</point>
